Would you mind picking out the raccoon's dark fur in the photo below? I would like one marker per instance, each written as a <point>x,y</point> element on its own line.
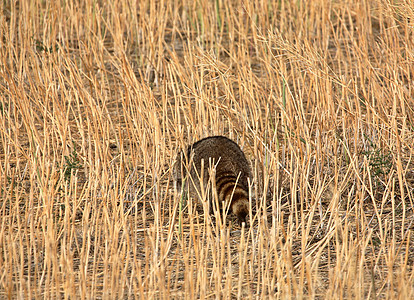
<point>232,171</point>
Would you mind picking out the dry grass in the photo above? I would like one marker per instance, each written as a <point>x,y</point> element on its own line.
<point>96,98</point>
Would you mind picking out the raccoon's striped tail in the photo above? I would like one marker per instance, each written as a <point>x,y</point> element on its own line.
<point>230,191</point>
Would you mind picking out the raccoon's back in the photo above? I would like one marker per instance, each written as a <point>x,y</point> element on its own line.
<point>226,155</point>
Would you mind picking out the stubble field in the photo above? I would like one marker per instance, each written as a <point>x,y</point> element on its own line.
<point>97,98</point>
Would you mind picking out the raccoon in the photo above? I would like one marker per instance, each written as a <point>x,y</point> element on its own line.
<point>232,171</point>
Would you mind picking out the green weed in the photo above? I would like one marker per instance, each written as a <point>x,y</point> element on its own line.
<point>379,159</point>
<point>72,162</point>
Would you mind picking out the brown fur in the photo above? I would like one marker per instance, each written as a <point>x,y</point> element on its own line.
<point>231,173</point>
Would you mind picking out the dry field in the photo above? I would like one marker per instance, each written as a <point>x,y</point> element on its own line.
<point>97,97</point>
